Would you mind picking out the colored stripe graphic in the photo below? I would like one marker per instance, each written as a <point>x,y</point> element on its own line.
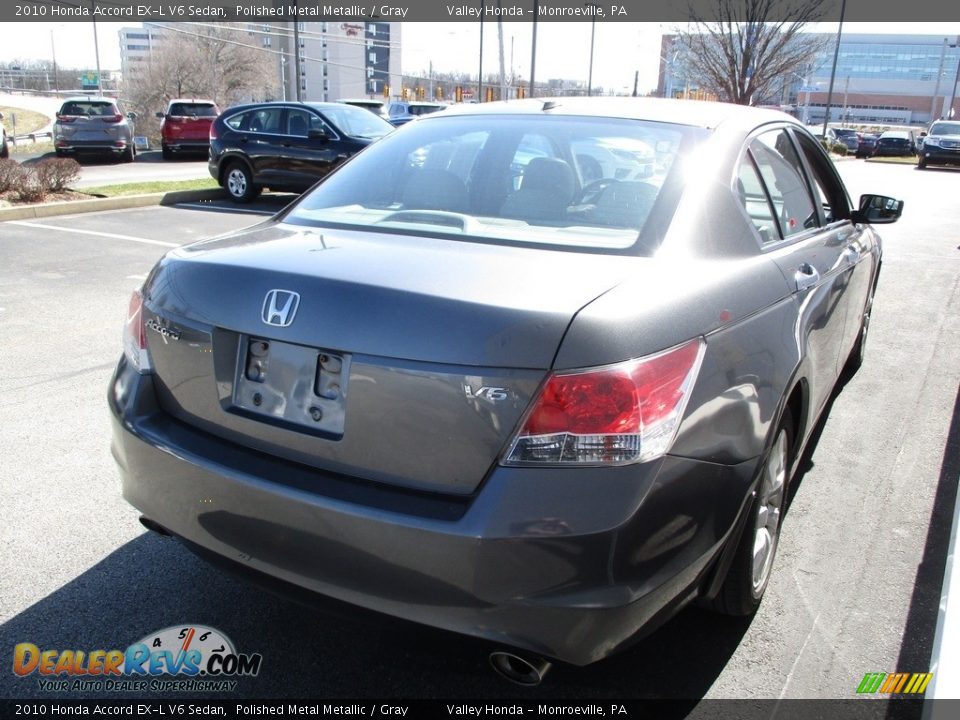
<point>895,683</point>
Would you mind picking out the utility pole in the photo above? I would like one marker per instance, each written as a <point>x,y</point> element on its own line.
<point>53,51</point>
<point>936,90</point>
<point>833,71</point>
<point>533,47</point>
<point>296,42</point>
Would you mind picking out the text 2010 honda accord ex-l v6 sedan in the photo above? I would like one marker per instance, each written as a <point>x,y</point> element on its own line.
<point>461,384</point>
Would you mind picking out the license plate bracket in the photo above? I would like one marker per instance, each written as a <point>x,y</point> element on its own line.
<point>303,388</point>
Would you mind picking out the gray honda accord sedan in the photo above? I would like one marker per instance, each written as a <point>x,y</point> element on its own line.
<point>537,372</point>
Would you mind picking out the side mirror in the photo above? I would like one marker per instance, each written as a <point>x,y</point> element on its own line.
<point>159,115</point>
<point>317,134</point>
<point>878,210</point>
<point>131,115</point>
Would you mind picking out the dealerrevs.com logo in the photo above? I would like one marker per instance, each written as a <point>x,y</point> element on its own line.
<point>187,658</point>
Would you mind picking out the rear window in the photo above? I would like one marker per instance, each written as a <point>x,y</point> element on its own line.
<point>89,109</point>
<point>578,182</point>
<point>195,109</point>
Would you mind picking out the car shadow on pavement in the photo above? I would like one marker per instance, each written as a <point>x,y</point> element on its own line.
<point>152,583</point>
<point>918,633</point>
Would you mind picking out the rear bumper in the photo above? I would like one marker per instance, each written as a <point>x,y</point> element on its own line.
<point>187,145</point>
<point>567,564</point>
<point>101,146</point>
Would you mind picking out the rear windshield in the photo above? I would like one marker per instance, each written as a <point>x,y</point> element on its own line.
<point>197,109</point>
<point>89,108</point>
<point>576,182</point>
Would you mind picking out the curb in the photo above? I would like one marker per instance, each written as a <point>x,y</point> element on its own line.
<point>70,207</point>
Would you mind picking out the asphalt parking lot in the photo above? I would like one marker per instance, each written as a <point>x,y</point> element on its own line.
<point>855,588</point>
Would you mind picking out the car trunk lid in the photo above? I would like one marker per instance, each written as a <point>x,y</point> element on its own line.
<point>404,360</point>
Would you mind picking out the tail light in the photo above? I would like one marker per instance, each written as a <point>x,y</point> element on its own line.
<point>213,131</point>
<point>112,118</point>
<point>610,415</point>
<point>66,118</point>
<point>135,336</point>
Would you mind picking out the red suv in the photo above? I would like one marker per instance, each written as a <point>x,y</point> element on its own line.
<point>185,127</point>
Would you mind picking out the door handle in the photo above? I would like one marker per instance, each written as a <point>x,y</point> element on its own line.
<point>806,277</point>
<point>852,254</point>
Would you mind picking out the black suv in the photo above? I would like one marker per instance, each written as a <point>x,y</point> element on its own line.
<point>941,144</point>
<point>286,145</point>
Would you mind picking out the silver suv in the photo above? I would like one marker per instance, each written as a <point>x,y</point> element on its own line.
<point>95,126</point>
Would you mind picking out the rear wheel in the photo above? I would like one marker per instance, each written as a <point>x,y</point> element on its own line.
<point>166,152</point>
<point>922,163</point>
<point>857,354</point>
<point>4,148</point>
<point>239,183</point>
<point>749,572</point>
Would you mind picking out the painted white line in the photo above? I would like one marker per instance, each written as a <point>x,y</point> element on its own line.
<point>113,236</point>
<point>211,206</point>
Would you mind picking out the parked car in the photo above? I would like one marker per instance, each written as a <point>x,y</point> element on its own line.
<point>4,148</point>
<point>548,414</point>
<point>286,145</point>
<point>867,144</point>
<point>185,126</point>
<point>94,126</point>
<point>402,111</point>
<point>849,137</point>
<point>941,146</point>
<point>896,143</point>
<point>377,107</point>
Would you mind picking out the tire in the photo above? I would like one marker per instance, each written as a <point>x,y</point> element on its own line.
<point>60,153</point>
<point>857,354</point>
<point>749,573</point>
<point>238,182</point>
<point>4,148</point>
<point>921,163</point>
<point>166,152</point>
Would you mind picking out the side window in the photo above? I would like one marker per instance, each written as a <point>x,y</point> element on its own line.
<point>830,191</point>
<point>265,121</point>
<point>782,174</point>
<point>238,122</point>
<point>298,122</point>
<point>754,198</point>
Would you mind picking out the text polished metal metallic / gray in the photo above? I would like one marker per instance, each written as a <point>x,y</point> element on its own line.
<point>552,374</point>
<point>280,307</point>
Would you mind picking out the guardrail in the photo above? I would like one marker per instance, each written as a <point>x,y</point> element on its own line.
<point>30,137</point>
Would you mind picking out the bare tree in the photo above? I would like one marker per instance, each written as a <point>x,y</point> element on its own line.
<point>217,62</point>
<point>748,49</point>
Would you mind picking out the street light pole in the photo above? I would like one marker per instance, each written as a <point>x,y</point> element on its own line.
<point>953,93</point>
<point>833,71</point>
<point>593,30</point>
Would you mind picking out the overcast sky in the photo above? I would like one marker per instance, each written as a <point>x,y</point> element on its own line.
<point>563,48</point>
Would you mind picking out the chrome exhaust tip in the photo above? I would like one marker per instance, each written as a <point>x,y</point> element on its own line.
<point>527,671</point>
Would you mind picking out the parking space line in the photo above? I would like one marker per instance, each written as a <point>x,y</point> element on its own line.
<point>113,236</point>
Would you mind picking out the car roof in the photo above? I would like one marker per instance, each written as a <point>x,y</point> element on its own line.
<point>89,98</point>
<point>895,134</point>
<point>694,113</point>
<point>192,100</point>
<point>286,103</point>
<point>367,101</point>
